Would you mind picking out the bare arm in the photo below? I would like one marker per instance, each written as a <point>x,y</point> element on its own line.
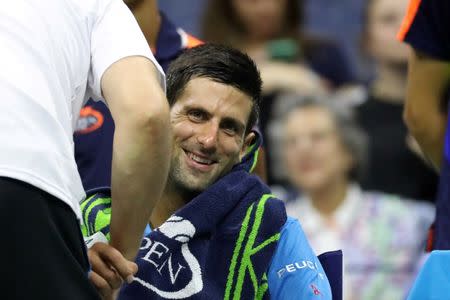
<point>141,150</point>
<point>290,77</point>
<point>427,80</point>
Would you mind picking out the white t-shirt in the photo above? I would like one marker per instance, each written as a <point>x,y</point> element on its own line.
<point>53,54</point>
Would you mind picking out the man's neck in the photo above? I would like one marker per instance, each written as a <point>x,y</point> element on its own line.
<point>169,203</point>
<point>327,200</point>
<point>390,83</point>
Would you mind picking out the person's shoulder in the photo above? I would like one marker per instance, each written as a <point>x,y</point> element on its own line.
<point>426,27</point>
<point>295,270</point>
<point>274,211</point>
<point>292,232</point>
<point>291,223</point>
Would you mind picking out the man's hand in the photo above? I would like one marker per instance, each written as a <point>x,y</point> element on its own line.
<point>109,269</point>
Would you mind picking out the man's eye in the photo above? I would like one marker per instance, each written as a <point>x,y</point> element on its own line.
<point>196,115</point>
<point>231,129</point>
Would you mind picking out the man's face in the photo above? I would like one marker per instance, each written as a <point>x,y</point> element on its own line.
<point>209,123</point>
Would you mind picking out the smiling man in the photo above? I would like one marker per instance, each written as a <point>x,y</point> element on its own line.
<point>217,232</point>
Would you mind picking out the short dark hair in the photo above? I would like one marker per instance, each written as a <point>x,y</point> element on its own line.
<point>221,64</point>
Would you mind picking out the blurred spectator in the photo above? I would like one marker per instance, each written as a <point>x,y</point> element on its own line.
<point>394,166</point>
<point>382,235</point>
<point>268,30</point>
<point>342,21</point>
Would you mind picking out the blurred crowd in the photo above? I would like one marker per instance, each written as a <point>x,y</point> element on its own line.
<point>337,149</point>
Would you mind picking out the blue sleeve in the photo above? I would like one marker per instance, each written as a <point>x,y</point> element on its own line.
<point>295,271</point>
<point>427,27</point>
<point>93,141</point>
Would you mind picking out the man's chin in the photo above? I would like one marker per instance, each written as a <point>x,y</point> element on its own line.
<point>194,186</point>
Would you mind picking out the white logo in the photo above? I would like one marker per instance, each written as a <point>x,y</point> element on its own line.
<point>183,231</point>
<point>305,264</point>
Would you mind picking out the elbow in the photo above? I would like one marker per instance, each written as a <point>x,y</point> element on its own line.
<point>413,121</point>
<point>416,123</point>
<point>421,126</point>
<point>154,117</point>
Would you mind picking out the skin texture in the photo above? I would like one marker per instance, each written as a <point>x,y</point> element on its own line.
<point>109,269</point>
<point>147,15</point>
<point>428,79</point>
<point>261,19</point>
<point>140,167</point>
<point>316,161</point>
<point>208,120</point>
<point>141,148</point>
<point>384,19</point>
<point>390,56</point>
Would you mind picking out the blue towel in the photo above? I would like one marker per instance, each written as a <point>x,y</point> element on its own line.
<point>218,246</point>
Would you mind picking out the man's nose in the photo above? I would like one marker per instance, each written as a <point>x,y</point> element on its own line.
<point>207,138</point>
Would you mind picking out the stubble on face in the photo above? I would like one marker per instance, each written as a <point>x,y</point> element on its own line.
<point>208,124</point>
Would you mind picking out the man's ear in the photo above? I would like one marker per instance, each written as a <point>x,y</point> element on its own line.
<point>248,141</point>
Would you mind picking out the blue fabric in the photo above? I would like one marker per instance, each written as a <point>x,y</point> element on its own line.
<point>169,43</point>
<point>295,271</point>
<point>187,14</point>
<point>211,222</point>
<point>294,253</point>
<point>332,263</point>
<point>430,29</point>
<point>433,281</point>
<point>341,21</point>
<point>329,61</point>
<point>191,254</point>
<point>441,226</point>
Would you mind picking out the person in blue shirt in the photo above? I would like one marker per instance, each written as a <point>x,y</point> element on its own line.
<point>217,232</point>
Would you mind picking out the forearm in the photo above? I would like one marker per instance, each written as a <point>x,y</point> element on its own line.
<point>286,77</point>
<point>430,137</point>
<point>139,172</point>
<point>141,148</point>
<point>427,82</point>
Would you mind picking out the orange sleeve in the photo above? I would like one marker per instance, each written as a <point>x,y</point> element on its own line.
<point>192,41</point>
<point>411,13</point>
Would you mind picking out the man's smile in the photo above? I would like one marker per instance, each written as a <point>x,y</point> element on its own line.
<point>199,161</point>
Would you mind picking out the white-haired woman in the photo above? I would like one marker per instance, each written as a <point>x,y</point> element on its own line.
<point>382,235</point>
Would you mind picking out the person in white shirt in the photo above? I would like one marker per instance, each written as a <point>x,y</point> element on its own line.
<point>54,54</point>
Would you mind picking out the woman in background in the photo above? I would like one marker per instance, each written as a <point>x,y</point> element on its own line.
<point>270,32</point>
<point>382,236</point>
